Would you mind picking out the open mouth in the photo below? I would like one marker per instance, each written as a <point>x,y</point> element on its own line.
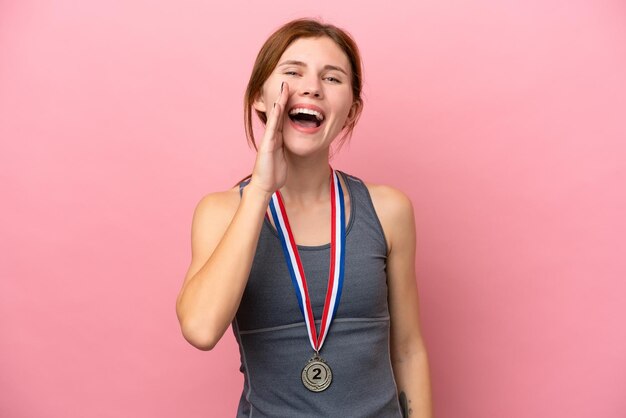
<point>307,118</point>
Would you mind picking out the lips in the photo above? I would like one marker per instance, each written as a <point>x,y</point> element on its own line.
<point>308,106</point>
<point>304,129</point>
<point>306,118</point>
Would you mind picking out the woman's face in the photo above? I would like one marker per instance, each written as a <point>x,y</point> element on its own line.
<point>319,77</point>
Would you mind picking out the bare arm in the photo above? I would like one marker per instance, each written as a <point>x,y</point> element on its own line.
<point>408,351</point>
<point>224,245</point>
<point>221,263</point>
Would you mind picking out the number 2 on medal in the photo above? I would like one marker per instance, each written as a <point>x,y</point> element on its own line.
<point>317,371</point>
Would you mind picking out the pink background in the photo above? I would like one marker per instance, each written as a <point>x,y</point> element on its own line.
<point>503,120</point>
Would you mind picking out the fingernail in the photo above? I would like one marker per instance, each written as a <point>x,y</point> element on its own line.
<point>281,86</point>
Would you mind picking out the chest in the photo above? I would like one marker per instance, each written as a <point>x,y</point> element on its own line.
<point>270,299</point>
<point>312,226</point>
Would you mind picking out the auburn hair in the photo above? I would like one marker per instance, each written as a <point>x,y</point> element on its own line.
<point>274,47</point>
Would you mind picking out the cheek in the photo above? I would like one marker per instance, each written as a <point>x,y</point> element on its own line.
<point>271,88</point>
<point>343,110</point>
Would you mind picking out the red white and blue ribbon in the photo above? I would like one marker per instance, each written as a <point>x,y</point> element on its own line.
<point>337,257</point>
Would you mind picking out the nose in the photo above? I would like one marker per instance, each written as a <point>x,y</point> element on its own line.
<point>311,92</point>
<point>310,87</point>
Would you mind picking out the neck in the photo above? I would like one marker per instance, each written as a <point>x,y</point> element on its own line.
<point>308,180</point>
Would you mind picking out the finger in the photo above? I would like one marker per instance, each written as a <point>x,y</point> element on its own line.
<point>279,118</point>
<point>280,104</point>
<point>274,122</point>
<point>283,97</point>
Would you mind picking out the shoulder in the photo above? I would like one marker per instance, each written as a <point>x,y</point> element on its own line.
<point>211,217</point>
<point>390,203</point>
<point>218,206</point>
<point>395,212</point>
<point>386,198</point>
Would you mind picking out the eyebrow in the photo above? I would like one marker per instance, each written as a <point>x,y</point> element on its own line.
<point>302,64</point>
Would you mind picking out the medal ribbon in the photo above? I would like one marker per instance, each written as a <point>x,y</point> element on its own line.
<point>337,257</point>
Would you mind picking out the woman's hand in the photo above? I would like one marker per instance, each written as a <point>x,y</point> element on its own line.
<point>270,168</point>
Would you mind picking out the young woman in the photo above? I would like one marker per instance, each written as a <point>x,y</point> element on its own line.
<point>313,267</point>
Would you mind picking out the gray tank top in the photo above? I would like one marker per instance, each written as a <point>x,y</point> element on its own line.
<point>273,341</point>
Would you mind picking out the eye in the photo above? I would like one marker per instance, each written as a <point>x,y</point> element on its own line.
<point>333,80</point>
<point>291,73</point>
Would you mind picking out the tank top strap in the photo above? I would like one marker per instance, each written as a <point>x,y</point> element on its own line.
<point>363,208</point>
<point>362,205</point>
<point>242,185</point>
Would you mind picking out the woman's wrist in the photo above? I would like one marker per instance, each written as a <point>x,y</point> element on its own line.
<point>257,194</point>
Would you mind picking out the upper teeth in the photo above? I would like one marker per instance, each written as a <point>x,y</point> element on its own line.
<point>317,114</point>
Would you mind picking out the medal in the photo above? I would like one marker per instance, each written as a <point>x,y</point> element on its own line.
<point>316,375</point>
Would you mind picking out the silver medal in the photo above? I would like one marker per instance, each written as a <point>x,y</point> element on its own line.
<point>316,375</point>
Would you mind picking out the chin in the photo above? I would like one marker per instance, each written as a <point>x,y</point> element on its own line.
<point>302,144</point>
<point>301,151</point>
<point>299,147</point>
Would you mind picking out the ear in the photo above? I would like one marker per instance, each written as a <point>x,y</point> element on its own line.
<point>355,110</point>
<point>258,102</point>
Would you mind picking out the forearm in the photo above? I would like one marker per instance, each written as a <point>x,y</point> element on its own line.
<point>209,301</point>
<point>413,380</point>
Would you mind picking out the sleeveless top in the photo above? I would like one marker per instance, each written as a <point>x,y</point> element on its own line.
<point>273,341</point>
